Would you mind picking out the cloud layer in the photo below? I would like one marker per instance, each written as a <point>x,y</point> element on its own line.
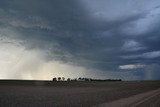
<point>87,38</point>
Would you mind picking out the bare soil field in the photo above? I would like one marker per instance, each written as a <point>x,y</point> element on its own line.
<point>72,94</point>
<point>147,99</point>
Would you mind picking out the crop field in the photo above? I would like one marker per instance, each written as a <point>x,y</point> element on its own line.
<point>69,94</point>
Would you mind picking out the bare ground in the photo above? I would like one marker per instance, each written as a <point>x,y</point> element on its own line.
<point>147,99</point>
<point>70,94</point>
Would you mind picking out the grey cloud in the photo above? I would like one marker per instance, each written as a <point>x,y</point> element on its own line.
<point>147,55</point>
<point>131,66</point>
<point>131,45</point>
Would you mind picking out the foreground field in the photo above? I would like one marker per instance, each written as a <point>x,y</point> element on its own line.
<point>147,99</point>
<point>70,94</point>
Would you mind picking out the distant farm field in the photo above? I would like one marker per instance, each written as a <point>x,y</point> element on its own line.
<point>68,94</point>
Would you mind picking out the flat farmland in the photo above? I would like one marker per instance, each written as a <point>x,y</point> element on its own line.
<point>72,94</point>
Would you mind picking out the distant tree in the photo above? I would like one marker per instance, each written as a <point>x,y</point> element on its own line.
<point>83,79</point>
<point>89,79</point>
<point>79,78</point>
<point>119,79</point>
<point>86,79</point>
<point>69,79</point>
<point>75,79</point>
<point>59,78</point>
<point>63,79</point>
<point>54,79</point>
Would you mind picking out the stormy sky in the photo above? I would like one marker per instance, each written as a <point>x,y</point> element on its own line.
<point>41,39</point>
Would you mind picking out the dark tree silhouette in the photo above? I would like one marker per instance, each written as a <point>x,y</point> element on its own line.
<point>86,79</point>
<point>54,79</point>
<point>68,79</point>
<point>79,78</point>
<point>59,78</point>
<point>74,79</point>
<point>63,79</point>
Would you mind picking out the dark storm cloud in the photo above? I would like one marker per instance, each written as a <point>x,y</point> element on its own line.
<point>68,32</point>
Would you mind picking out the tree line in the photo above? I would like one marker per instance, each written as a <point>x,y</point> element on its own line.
<point>82,79</point>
